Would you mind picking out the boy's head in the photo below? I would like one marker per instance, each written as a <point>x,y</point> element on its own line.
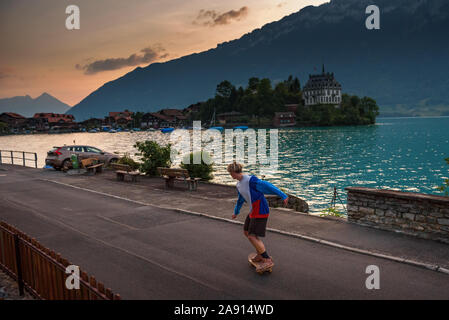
<point>235,170</point>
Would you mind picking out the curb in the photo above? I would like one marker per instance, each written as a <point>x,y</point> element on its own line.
<point>286,233</point>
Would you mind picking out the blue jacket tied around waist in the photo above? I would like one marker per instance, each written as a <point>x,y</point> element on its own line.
<point>252,190</point>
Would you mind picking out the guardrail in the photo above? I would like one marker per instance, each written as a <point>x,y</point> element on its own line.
<point>11,155</point>
<point>42,272</point>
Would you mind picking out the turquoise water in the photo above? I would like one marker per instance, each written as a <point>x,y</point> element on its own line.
<point>404,154</point>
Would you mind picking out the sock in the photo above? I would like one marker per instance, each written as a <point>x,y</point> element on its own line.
<point>265,255</point>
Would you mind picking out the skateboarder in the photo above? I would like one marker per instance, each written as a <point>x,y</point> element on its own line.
<point>251,190</point>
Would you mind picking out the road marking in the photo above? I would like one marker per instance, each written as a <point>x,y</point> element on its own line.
<point>286,233</point>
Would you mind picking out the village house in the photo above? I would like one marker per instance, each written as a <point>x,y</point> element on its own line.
<point>13,120</point>
<point>322,89</point>
<point>121,118</point>
<point>157,120</point>
<point>45,121</point>
<point>284,119</point>
<point>176,114</point>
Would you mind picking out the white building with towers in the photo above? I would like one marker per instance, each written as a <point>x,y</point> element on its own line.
<point>322,89</point>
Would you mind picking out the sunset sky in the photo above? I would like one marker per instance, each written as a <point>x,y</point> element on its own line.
<point>38,54</point>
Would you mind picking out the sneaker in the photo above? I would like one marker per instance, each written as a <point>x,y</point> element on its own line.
<point>257,258</point>
<point>266,264</point>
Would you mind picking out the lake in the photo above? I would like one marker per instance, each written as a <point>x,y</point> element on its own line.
<point>404,154</point>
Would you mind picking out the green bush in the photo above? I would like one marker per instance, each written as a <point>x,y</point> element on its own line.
<point>153,156</point>
<point>127,160</point>
<point>203,170</point>
<point>333,212</point>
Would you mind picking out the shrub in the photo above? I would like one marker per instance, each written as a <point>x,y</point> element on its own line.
<point>333,212</point>
<point>127,160</point>
<point>203,170</point>
<point>153,156</point>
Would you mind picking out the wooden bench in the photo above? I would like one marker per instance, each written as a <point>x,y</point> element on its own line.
<point>122,170</point>
<point>172,174</point>
<point>96,168</point>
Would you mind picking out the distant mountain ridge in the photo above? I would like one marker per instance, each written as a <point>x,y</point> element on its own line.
<point>403,65</point>
<point>27,106</point>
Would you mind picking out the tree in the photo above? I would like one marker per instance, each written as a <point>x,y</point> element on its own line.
<point>224,89</point>
<point>153,156</point>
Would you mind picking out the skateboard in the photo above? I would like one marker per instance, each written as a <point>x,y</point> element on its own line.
<point>256,264</point>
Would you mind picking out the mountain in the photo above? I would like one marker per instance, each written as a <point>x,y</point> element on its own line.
<point>27,106</point>
<point>403,65</point>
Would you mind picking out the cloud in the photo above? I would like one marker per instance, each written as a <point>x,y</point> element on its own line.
<point>6,72</point>
<point>280,5</point>
<point>213,18</point>
<point>146,55</point>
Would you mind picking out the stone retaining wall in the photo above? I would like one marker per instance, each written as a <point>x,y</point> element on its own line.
<point>422,215</point>
<point>294,203</point>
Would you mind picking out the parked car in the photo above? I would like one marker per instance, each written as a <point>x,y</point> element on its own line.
<point>59,157</point>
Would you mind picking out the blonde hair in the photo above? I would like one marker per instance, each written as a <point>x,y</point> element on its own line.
<point>235,167</point>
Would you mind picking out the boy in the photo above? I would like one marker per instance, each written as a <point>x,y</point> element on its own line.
<point>251,190</point>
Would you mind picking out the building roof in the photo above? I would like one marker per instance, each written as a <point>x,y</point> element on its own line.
<point>162,116</point>
<point>53,115</point>
<point>320,81</point>
<point>171,112</point>
<point>14,115</point>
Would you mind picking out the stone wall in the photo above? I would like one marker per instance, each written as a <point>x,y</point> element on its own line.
<point>422,215</point>
<point>294,203</point>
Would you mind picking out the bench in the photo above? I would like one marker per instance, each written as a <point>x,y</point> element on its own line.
<point>93,169</point>
<point>172,174</point>
<point>122,170</point>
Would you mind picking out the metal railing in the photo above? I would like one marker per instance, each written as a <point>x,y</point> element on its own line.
<point>42,272</point>
<point>21,160</point>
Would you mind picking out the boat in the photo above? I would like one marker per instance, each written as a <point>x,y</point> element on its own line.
<point>167,130</point>
<point>217,128</point>
<point>112,131</point>
<point>241,128</point>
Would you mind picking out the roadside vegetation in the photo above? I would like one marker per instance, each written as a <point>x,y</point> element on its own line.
<point>127,160</point>
<point>152,156</point>
<point>201,170</point>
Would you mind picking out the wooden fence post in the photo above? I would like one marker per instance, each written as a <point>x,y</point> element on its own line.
<point>12,158</point>
<point>23,155</point>
<point>35,160</point>
<point>18,264</point>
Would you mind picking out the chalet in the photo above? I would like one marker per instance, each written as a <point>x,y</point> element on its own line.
<point>122,118</point>
<point>13,120</point>
<point>45,121</point>
<point>322,89</point>
<point>284,119</point>
<point>158,120</point>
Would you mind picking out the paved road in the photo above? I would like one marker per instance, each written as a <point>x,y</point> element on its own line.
<point>143,252</point>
